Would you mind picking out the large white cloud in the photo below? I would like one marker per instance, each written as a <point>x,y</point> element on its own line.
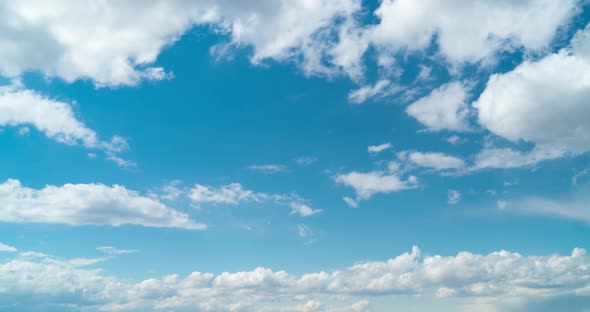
<point>469,31</point>
<point>544,102</point>
<point>116,43</point>
<point>80,204</point>
<point>499,275</point>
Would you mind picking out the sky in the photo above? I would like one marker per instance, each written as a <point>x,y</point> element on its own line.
<point>295,155</point>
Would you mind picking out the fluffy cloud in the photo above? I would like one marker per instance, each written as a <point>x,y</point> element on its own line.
<point>542,102</point>
<point>55,119</point>
<point>76,40</point>
<point>80,204</point>
<point>500,275</point>
<point>436,161</point>
<point>468,31</point>
<point>374,182</point>
<point>443,108</point>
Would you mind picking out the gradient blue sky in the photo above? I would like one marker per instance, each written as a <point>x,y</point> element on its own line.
<point>311,155</point>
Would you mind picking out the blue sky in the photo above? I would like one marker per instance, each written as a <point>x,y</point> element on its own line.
<point>309,155</point>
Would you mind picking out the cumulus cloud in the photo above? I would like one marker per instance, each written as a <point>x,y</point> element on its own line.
<point>499,275</point>
<point>443,108</point>
<point>55,119</point>
<point>73,40</point>
<point>540,102</point>
<point>470,31</point>
<point>370,183</point>
<point>82,204</point>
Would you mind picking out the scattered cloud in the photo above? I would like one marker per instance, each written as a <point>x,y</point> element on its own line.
<point>443,108</point>
<point>306,160</point>
<point>7,248</point>
<point>22,108</point>
<point>370,183</point>
<point>376,149</point>
<point>235,193</point>
<point>350,202</point>
<point>304,230</point>
<point>82,204</point>
<point>268,169</point>
<point>303,209</point>
<point>454,197</point>
<point>436,161</point>
<point>382,88</point>
<point>115,251</point>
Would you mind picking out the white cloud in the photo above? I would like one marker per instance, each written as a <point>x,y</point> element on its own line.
<point>72,40</point>
<point>304,230</point>
<point>542,102</point>
<point>7,248</point>
<point>454,197</point>
<point>116,251</point>
<point>268,169</point>
<point>374,182</point>
<point>305,160</point>
<point>468,31</point>
<point>491,157</point>
<point>20,107</point>
<point>381,89</point>
<point>499,275</point>
<point>350,202</point>
<point>230,194</point>
<point>436,161</point>
<point>574,207</point>
<point>443,108</point>
<point>454,140</point>
<point>235,194</point>
<point>303,209</point>
<point>375,149</point>
<point>80,204</point>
